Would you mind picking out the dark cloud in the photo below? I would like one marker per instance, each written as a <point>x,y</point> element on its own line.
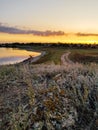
<point>10,30</point>
<point>14,30</point>
<point>86,34</point>
<point>5,28</point>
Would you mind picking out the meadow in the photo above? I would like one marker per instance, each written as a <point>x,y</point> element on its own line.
<point>49,94</point>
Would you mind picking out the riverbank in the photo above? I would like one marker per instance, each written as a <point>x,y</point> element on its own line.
<point>34,59</point>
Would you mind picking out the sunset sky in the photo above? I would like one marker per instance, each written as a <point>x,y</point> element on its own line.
<point>69,21</point>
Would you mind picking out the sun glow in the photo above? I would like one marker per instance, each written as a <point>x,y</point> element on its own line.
<point>25,38</point>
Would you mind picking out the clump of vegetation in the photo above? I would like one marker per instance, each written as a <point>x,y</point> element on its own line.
<point>84,56</point>
<point>49,97</point>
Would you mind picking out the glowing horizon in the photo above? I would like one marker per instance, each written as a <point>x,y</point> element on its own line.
<point>66,38</point>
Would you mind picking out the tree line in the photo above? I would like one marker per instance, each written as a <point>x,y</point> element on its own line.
<point>66,45</point>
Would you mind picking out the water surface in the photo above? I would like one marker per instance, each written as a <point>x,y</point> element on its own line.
<point>15,55</point>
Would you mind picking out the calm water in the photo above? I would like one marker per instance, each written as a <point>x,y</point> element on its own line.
<point>13,55</point>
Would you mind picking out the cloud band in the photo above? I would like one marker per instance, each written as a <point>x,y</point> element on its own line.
<point>13,30</point>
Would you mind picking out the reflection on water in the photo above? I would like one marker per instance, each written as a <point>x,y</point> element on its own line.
<point>11,56</point>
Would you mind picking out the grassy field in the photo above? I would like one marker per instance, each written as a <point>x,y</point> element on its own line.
<point>33,97</point>
<point>53,55</point>
<point>48,95</point>
<point>84,55</point>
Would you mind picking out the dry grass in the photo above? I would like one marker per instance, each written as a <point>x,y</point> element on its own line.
<point>34,96</point>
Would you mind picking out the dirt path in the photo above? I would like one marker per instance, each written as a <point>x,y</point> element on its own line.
<point>65,59</point>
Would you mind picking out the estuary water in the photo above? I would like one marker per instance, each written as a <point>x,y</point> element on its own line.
<point>15,55</point>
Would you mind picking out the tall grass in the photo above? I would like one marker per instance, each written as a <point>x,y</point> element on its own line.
<point>49,96</point>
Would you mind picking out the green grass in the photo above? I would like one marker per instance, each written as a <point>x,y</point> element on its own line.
<point>53,55</point>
